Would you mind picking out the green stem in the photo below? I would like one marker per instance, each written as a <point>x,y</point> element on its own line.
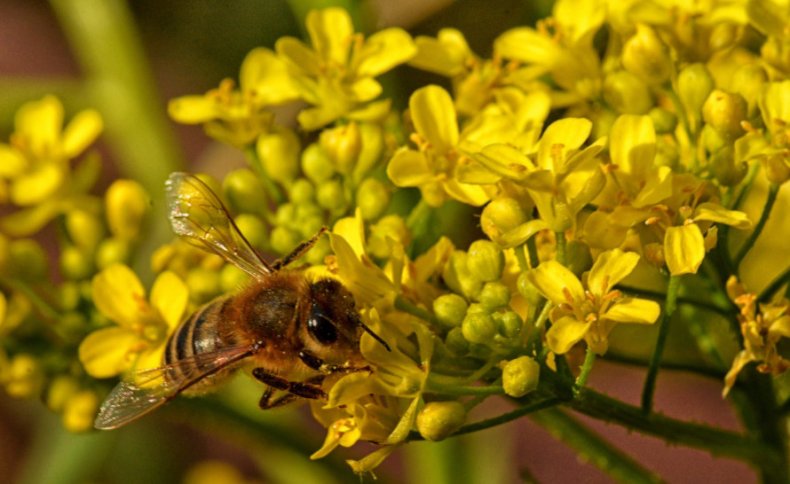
<point>537,330</point>
<point>436,385</point>
<point>681,300</point>
<point>663,331</point>
<point>589,361</point>
<point>402,304</point>
<point>716,441</point>
<point>560,238</point>
<point>774,286</point>
<point>773,191</point>
<point>535,404</point>
<point>590,447</point>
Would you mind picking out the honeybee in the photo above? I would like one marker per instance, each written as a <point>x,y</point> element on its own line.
<point>292,331</point>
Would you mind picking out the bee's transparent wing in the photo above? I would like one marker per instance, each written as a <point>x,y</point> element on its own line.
<point>198,215</point>
<point>150,389</point>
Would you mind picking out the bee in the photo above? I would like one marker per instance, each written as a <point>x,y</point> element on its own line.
<point>293,331</point>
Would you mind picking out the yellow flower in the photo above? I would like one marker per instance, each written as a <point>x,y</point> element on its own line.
<point>336,73</point>
<point>433,166</point>
<point>590,311</point>
<point>239,116</point>
<point>34,166</point>
<point>142,326</point>
<point>762,327</point>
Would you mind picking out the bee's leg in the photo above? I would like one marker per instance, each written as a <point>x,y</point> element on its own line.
<point>299,251</point>
<point>308,389</point>
<point>266,402</point>
<point>318,364</point>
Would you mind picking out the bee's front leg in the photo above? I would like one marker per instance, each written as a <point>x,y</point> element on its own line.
<point>318,364</point>
<point>308,389</point>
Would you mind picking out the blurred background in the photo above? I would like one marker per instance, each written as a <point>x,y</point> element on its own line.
<point>189,47</point>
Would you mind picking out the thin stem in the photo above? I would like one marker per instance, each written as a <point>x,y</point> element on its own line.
<point>774,286</point>
<point>534,405</point>
<point>560,238</point>
<point>663,331</point>
<point>434,385</point>
<point>773,191</point>
<point>589,361</point>
<point>592,448</point>
<point>403,305</point>
<point>537,330</point>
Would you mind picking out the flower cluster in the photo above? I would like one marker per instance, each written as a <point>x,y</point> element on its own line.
<point>492,230</point>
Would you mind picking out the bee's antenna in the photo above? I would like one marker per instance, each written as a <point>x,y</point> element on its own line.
<point>375,336</point>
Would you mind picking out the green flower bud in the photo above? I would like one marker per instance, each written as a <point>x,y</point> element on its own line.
<point>244,191</point>
<point>391,227</point>
<point>664,121</point>
<point>316,164</point>
<point>24,377</point>
<point>279,155</point>
<point>450,309</point>
<point>520,376</point>
<point>253,229</point>
<point>60,390</point>
<point>626,93</point>
<point>777,168</point>
<point>343,145</point>
<point>310,225</point>
<point>478,327</point>
<point>372,198</point>
<point>455,341</point>
<point>438,420</point>
<point>319,251</point>
<point>203,284</point>
<point>305,211</point>
<point>494,295</point>
<point>27,260</point>
<point>302,191</point>
<point>112,250</point>
<point>724,112</point>
<point>283,240</point>
<point>500,216</point>
<point>84,229</point>
<point>578,257</point>
<point>712,140</point>
<point>75,264</point>
<point>646,55</point>
<point>509,324</point>
<point>372,147</point>
<point>694,86</point>
<point>330,195</point>
<point>285,215</point>
<point>69,295</point>
<point>459,278</point>
<point>725,169</point>
<point>528,290</point>
<point>749,81</point>
<point>80,411</point>
<point>485,259</point>
<point>231,278</point>
<point>126,203</point>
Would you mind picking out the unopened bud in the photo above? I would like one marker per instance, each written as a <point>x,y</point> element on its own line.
<point>253,229</point>
<point>24,377</point>
<point>646,55</point>
<point>724,112</point>
<point>494,295</point>
<point>373,197</point>
<point>520,376</point>
<point>663,121</point>
<point>126,204</point>
<point>500,216</point>
<point>244,191</point>
<point>302,191</point>
<point>456,342</point>
<point>450,309</point>
<point>60,390</point>
<point>486,260</point>
<point>84,229</point>
<point>316,164</point>
<point>626,93</point>
<point>478,327</point>
<point>438,420</point>
<point>343,145</point>
<point>203,284</point>
<point>27,260</point>
<point>725,169</point>
<point>111,251</point>
<point>75,263</point>
<point>80,410</point>
<point>459,278</point>
<point>509,325</point>
<point>331,196</point>
<point>694,86</point>
<point>777,168</point>
<point>384,232</point>
<point>279,155</point>
<point>283,240</point>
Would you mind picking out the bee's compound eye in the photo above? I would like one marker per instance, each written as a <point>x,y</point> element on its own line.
<point>321,327</point>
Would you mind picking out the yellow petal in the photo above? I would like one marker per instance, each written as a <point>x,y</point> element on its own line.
<point>504,160</point>
<point>40,123</point>
<point>330,31</point>
<point>409,168</point>
<point>192,109</point>
<point>632,144</point>
<point>83,130</point>
<point>384,50</point>
<point>434,117</point>
<point>443,55</point>
<point>560,137</point>
<point>119,295</point>
<point>633,310</point>
<point>36,186</point>
<point>170,295</point>
<point>352,231</point>
<point>565,333</point>
<point>684,249</point>
<point>714,212</point>
<point>266,76</point>
<point>106,352</point>
<point>610,268</point>
<point>474,195</point>
<point>554,280</point>
<point>527,45</point>
<point>365,89</point>
<point>12,163</point>
<point>298,55</point>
